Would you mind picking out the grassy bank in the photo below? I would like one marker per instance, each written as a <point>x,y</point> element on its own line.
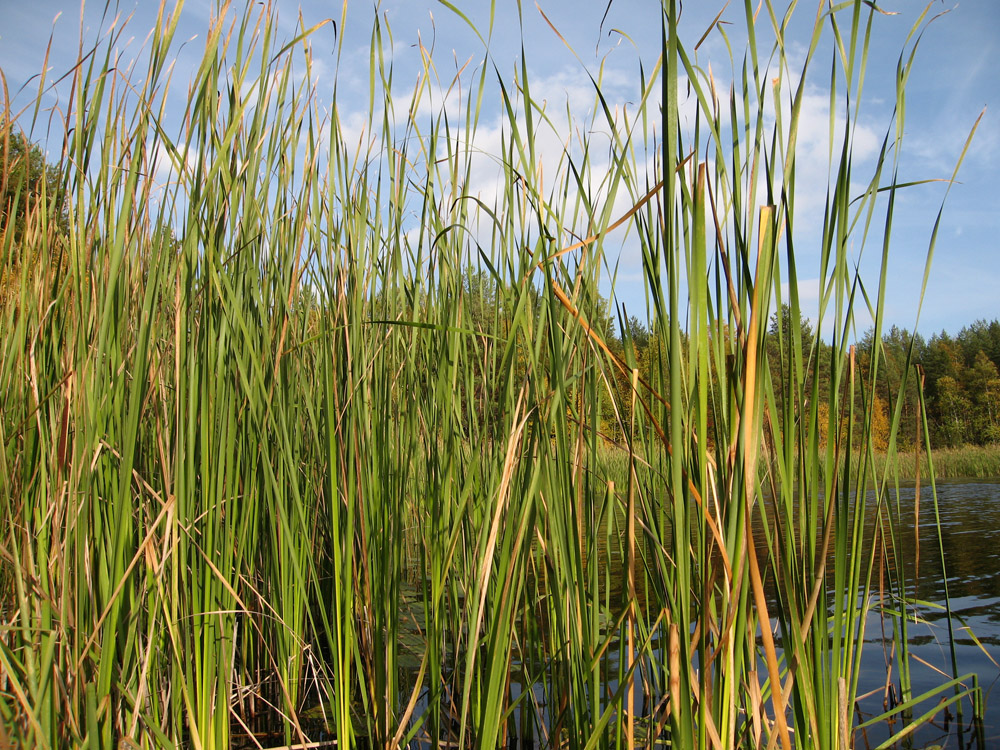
<point>966,462</point>
<point>247,410</point>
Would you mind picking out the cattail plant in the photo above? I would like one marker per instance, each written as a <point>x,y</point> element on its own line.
<point>310,441</point>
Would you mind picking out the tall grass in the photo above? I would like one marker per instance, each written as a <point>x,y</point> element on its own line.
<point>269,453</point>
<point>967,462</point>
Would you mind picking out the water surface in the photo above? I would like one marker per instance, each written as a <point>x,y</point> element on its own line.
<point>969,512</point>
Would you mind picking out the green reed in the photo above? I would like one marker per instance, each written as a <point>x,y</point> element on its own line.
<point>315,432</point>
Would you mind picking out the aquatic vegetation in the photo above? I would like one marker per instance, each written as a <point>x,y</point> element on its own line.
<point>316,432</point>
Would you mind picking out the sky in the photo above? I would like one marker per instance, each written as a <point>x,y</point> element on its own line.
<point>954,79</point>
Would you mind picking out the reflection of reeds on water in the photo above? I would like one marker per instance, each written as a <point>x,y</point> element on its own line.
<point>315,433</point>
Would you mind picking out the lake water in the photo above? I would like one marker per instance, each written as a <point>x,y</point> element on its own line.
<point>970,536</point>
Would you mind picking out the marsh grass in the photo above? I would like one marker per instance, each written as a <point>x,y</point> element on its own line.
<point>267,452</point>
<point>966,462</point>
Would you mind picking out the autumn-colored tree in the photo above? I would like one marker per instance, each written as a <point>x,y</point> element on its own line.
<point>880,423</point>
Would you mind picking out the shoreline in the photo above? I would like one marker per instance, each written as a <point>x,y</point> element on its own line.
<point>964,462</point>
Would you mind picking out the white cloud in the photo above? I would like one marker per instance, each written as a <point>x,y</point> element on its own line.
<point>169,165</point>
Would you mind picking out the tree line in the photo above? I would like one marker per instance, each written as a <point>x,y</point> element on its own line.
<point>961,377</point>
<point>958,373</point>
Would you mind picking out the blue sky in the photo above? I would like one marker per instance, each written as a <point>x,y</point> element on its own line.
<point>954,78</point>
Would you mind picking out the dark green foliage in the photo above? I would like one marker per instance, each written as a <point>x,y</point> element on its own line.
<point>32,200</point>
<point>28,184</point>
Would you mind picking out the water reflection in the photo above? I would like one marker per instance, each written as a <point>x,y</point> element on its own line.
<point>970,535</point>
<point>969,514</point>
